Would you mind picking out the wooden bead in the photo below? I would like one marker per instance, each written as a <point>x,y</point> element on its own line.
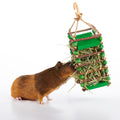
<point>82,84</point>
<point>104,62</point>
<point>102,54</point>
<point>76,52</point>
<point>77,60</point>
<point>76,56</point>
<point>81,76</point>
<point>79,69</point>
<point>108,78</point>
<point>102,50</point>
<point>101,46</point>
<point>106,70</point>
<point>75,48</point>
<point>106,66</point>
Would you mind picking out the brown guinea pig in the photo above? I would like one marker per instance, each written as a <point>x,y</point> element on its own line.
<point>37,86</point>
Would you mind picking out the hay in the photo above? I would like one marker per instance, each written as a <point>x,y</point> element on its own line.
<point>93,70</point>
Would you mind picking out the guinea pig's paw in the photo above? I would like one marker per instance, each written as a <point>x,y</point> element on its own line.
<point>18,98</point>
<point>42,103</point>
<point>49,99</point>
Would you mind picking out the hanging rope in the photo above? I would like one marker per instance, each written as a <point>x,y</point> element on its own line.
<point>79,17</point>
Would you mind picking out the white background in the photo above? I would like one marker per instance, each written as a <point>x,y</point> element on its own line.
<point>33,37</point>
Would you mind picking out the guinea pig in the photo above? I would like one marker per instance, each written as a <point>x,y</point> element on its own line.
<point>37,86</point>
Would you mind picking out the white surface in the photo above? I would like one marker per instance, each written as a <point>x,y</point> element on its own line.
<point>69,107</point>
<point>76,105</point>
<point>25,28</point>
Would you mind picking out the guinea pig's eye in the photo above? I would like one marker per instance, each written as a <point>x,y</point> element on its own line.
<point>59,67</point>
<point>68,63</point>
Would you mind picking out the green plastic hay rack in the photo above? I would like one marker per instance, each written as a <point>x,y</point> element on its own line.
<point>88,57</point>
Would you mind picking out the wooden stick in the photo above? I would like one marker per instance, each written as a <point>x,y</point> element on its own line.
<point>94,36</point>
<point>80,30</point>
<point>88,80</point>
<point>90,63</point>
<point>89,54</point>
<point>82,73</point>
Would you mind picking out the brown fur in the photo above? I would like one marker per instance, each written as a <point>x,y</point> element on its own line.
<point>33,87</point>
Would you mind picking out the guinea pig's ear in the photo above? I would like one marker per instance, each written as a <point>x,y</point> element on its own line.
<point>58,65</point>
